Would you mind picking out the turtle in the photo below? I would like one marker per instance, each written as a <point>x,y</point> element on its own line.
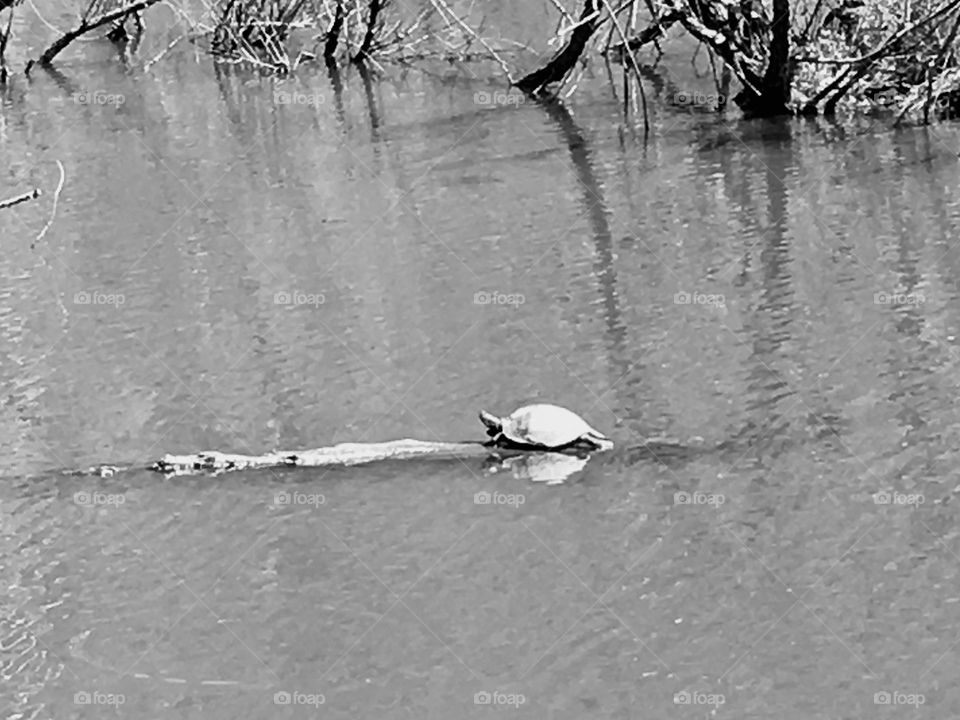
<point>543,426</point>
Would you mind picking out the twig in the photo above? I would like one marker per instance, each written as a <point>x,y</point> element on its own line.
<point>867,60</point>
<point>576,83</point>
<point>86,13</point>
<point>805,35</point>
<point>635,66</point>
<point>926,105</point>
<point>941,58</point>
<point>563,11</point>
<point>53,211</point>
<point>592,18</point>
<point>150,63</point>
<point>813,60</point>
<point>10,202</point>
<point>364,52</point>
<point>4,39</point>
<point>651,33</point>
<point>471,33</point>
<point>333,34</point>
<point>41,17</point>
<point>715,40</point>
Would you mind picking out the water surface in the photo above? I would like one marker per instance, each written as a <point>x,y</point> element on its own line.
<point>290,276</point>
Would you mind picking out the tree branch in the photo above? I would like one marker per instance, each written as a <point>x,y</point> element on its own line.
<point>86,26</point>
<point>563,61</point>
<point>860,68</point>
<point>368,37</point>
<point>10,202</point>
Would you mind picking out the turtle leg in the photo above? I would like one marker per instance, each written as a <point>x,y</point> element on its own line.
<point>503,441</point>
<point>578,447</point>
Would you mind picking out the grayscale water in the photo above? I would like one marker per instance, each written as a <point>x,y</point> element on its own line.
<point>818,358</point>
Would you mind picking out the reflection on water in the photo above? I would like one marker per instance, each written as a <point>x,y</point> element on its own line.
<point>296,275</point>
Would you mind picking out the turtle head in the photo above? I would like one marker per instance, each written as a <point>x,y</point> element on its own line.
<point>493,423</point>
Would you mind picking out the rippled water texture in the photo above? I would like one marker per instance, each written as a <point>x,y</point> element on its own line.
<point>228,273</point>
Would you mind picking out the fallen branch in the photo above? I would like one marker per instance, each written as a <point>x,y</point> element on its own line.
<point>10,202</point>
<point>342,455</point>
<point>86,26</point>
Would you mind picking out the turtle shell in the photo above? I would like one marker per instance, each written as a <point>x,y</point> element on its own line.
<point>546,426</point>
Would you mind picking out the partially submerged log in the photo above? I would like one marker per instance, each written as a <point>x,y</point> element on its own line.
<point>343,455</point>
<point>535,464</point>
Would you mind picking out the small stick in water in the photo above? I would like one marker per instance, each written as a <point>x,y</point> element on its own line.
<point>53,212</point>
<point>10,202</point>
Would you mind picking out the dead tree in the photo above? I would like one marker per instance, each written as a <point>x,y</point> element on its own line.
<point>774,96</point>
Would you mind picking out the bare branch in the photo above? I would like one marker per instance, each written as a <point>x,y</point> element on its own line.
<point>86,26</point>
<point>471,33</point>
<point>563,61</point>
<point>845,79</point>
<point>17,199</point>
